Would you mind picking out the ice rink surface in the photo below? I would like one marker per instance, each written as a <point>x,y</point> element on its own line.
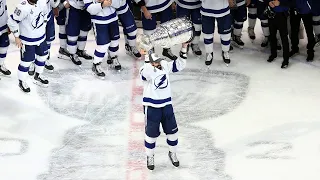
<point>251,120</point>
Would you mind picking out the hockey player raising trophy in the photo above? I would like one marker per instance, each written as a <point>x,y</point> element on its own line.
<point>157,90</point>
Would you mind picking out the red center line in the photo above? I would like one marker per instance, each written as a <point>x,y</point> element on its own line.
<point>136,169</point>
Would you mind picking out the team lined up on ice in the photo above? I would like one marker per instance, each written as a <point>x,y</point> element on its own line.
<point>32,25</point>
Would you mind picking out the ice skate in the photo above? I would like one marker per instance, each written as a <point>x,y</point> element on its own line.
<point>97,70</point>
<point>40,80</point>
<point>285,64</point>
<point>75,59</point>
<point>196,49</point>
<point>132,51</point>
<point>4,70</point>
<point>271,58</point>
<point>32,69</point>
<point>64,54</point>
<point>226,57</point>
<point>114,61</point>
<point>317,38</point>
<point>209,59</point>
<point>83,54</point>
<point>251,33</point>
<point>183,55</point>
<point>24,86</point>
<point>168,53</point>
<point>150,162</point>
<point>173,158</point>
<point>236,40</point>
<point>49,66</point>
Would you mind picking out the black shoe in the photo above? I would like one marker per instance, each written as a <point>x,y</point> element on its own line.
<point>196,49</point>
<point>150,162</point>
<point>32,69</point>
<point>173,158</point>
<point>48,65</point>
<point>24,86</point>
<point>310,56</point>
<point>285,64</point>
<point>40,80</point>
<point>75,59</point>
<point>209,59</point>
<point>4,70</point>
<point>226,57</point>
<point>293,52</point>
<point>96,68</point>
<point>271,58</point>
<point>167,53</point>
<point>83,54</point>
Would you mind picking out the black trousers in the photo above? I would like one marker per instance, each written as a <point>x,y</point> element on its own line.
<point>295,19</point>
<point>279,23</point>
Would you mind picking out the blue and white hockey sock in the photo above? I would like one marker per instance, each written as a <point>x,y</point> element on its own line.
<point>225,42</point>
<point>237,28</point>
<point>23,69</point>
<point>39,63</point>
<point>131,38</point>
<point>63,37</point>
<point>82,40</point>
<point>3,54</point>
<point>265,27</point>
<point>172,141</point>
<point>100,52</point>
<point>113,48</point>
<point>150,145</point>
<point>72,44</point>
<point>208,42</point>
<point>197,28</point>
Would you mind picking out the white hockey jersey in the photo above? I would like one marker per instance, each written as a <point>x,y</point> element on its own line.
<point>101,15</point>
<point>189,4</point>
<point>78,4</point>
<point>124,7</point>
<point>215,8</point>
<point>29,22</point>
<point>157,88</point>
<point>155,6</point>
<point>3,17</point>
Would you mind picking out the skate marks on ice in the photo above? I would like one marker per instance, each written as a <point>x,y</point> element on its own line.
<point>98,150</point>
<point>12,146</point>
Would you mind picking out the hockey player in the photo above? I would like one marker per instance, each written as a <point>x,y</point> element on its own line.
<point>105,23</point>
<point>315,7</point>
<point>28,25</point>
<point>61,21</point>
<point>158,106</point>
<point>77,28</point>
<point>239,16</point>
<point>129,29</point>
<point>256,10</point>
<point>191,9</point>
<point>150,10</point>
<point>4,39</point>
<point>216,10</point>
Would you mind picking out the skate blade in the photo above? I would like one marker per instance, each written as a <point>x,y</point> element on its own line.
<point>227,64</point>
<point>50,71</point>
<point>64,57</point>
<point>40,84</point>
<point>98,77</point>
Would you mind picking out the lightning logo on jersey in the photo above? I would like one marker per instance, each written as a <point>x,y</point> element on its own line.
<point>161,82</point>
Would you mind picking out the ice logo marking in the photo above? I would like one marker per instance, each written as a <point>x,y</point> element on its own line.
<point>99,149</point>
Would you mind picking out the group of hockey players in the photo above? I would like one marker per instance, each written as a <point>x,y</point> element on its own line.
<point>32,25</point>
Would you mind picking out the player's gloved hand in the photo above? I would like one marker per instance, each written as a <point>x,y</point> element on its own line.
<point>18,42</point>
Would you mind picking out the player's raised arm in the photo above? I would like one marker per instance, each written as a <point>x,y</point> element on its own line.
<point>176,65</point>
<point>146,72</point>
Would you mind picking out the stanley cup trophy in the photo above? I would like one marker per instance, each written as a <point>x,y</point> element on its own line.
<point>168,34</point>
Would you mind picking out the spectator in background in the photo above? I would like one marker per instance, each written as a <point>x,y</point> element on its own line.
<point>277,13</point>
<point>302,10</point>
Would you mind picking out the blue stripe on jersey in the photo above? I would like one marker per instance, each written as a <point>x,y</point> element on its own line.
<point>189,3</point>
<point>122,7</point>
<point>3,27</point>
<point>14,19</point>
<point>86,5</point>
<point>32,39</point>
<point>158,101</point>
<point>159,6</point>
<point>104,18</point>
<point>174,67</point>
<point>212,11</point>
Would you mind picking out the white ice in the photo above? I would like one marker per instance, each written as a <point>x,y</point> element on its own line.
<point>251,120</point>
